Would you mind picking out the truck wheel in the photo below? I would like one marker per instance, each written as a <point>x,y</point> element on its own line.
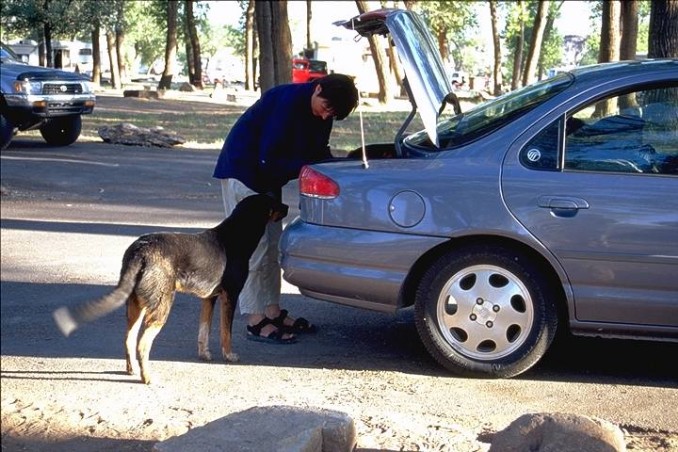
<point>61,131</point>
<point>6,132</point>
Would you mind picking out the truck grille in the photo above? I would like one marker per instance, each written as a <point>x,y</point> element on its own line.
<point>62,88</point>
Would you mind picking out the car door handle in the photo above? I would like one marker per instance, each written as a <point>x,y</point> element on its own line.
<point>562,206</point>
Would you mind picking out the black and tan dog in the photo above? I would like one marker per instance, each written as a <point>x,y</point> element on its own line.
<point>211,264</point>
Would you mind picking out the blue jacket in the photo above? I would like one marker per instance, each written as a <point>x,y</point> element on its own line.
<point>274,138</point>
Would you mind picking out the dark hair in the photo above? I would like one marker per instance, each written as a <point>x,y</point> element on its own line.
<point>340,92</point>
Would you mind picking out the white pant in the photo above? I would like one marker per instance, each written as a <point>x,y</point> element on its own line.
<point>263,283</point>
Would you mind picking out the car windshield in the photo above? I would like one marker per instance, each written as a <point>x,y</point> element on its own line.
<point>489,116</point>
<point>6,54</point>
<point>318,66</point>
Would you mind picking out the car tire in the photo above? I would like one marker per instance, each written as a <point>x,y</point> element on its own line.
<point>61,131</point>
<point>6,132</point>
<point>485,311</point>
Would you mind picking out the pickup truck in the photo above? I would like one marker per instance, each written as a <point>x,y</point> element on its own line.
<point>305,70</point>
<point>35,97</point>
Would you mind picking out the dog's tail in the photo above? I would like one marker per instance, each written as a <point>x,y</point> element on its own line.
<point>69,319</point>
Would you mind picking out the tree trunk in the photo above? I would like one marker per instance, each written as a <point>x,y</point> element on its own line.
<point>663,41</point>
<point>535,42</point>
<point>190,64</point>
<point>384,94</point>
<point>496,91</point>
<point>195,62</point>
<point>518,55</point>
<point>609,49</point>
<point>250,37</point>
<point>96,53</point>
<point>627,46</point>
<point>550,19</point>
<point>47,31</point>
<point>275,43</point>
<point>629,30</point>
<point>609,33</point>
<point>395,67</point>
<point>170,46</point>
<point>120,42</point>
<point>112,59</point>
<point>442,44</point>
<point>309,15</point>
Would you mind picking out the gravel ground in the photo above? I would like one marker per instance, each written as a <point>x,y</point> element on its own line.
<point>63,232</point>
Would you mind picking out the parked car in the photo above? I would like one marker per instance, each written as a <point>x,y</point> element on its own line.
<point>306,70</point>
<point>551,207</point>
<point>35,97</point>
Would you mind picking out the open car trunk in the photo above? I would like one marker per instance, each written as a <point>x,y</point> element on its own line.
<point>427,85</point>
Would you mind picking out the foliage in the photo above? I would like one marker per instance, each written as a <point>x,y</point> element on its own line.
<point>551,53</point>
<point>26,18</point>
<point>457,21</point>
<point>146,31</point>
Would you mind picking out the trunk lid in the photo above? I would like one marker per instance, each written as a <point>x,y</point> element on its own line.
<point>424,70</point>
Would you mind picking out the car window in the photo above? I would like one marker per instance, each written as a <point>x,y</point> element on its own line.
<point>543,151</point>
<point>489,116</point>
<point>636,132</point>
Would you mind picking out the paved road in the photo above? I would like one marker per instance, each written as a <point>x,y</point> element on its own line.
<point>69,213</point>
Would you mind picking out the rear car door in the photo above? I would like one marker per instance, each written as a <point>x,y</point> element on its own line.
<point>599,188</point>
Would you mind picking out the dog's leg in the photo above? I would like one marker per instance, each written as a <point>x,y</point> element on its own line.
<point>145,343</point>
<point>154,320</point>
<point>206,314</point>
<point>227,311</point>
<point>134,317</point>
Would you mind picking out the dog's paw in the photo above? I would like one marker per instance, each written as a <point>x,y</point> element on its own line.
<point>231,357</point>
<point>132,370</point>
<point>205,355</point>
<point>147,378</point>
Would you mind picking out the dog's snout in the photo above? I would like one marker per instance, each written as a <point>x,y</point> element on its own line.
<point>284,209</point>
<point>279,212</point>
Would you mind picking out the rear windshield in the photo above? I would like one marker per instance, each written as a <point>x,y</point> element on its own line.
<point>318,66</point>
<point>491,115</point>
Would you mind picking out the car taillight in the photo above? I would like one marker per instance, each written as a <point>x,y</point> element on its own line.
<point>316,185</point>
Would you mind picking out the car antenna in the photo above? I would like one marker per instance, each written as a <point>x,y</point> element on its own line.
<point>366,165</point>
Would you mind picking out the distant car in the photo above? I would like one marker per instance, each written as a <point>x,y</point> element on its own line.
<point>551,207</point>
<point>35,97</point>
<point>306,70</point>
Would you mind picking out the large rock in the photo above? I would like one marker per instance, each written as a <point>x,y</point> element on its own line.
<point>144,93</point>
<point>132,135</point>
<point>272,428</point>
<point>558,432</point>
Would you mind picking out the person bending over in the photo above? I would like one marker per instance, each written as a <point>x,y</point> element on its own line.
<point>287,128</point>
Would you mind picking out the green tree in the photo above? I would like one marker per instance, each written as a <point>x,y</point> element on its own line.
<point>453,24</point>
<point>532,58</point>
<point>551,53</point>
<point>41,20</point>
<point>536,40</point>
